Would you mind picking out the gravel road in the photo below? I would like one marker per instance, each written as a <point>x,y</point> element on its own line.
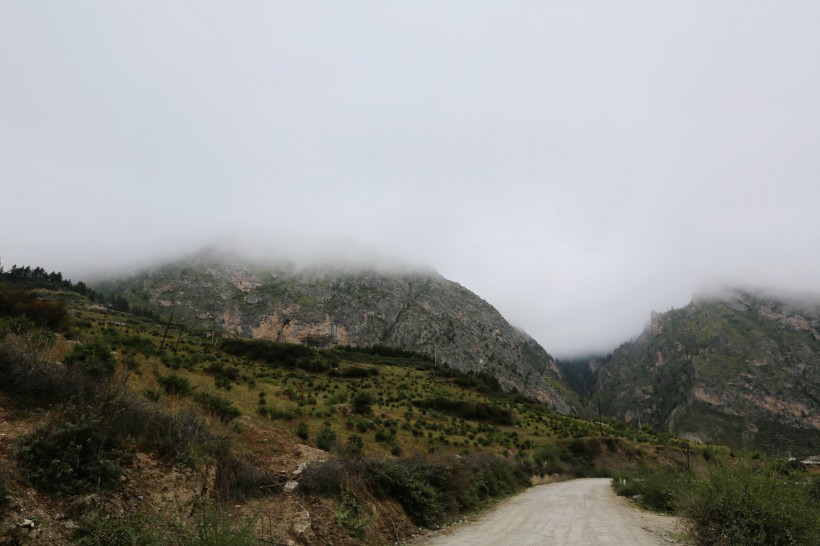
<point>581,512</point>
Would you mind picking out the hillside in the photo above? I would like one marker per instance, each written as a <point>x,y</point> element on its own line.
<point>735,368</point>
<point>413,310</point>
<point>109,437</point>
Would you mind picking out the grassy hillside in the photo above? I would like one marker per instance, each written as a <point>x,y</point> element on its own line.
<point>114,429</point>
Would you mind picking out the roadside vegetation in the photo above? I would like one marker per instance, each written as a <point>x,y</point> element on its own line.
<point>726,499</point>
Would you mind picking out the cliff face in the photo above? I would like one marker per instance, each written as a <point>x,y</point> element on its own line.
<point>736,368</point>
<point>419,311</point>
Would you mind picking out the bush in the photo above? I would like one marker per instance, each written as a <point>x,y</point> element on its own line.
<point>750,506</point>
<point>236,478</point>
<point>223,409</point>
<point>354,445</point>
<point>214,527</point>
<point>326,477</point>
<point>351,515</point>
<point>432,490</point>
<point>478,411</point>
<point>362,402</point>
<point>409,484</point>
<point>302,431</point>
<point>659,490</point>
<point>94,358</point>
<point>280,355</point>
<point>71,454</point>
<point>175,384</point>
<point>96,528</point>
<point>326,438</point>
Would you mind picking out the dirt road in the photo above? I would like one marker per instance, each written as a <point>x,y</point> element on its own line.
<point>581,512</point>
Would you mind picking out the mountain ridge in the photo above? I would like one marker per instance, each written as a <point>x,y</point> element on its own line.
<point>738,366</point>
<point>411,308</point>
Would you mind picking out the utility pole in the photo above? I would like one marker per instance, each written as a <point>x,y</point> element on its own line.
<point>178,338</point>
<point>162,344</point>
<point>600,417</point>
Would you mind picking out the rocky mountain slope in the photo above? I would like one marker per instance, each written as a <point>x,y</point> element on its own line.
<point>737,368</point>
<point>413,310</point>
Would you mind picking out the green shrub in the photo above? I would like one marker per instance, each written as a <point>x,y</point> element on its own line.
<point>351,515</point>
<point>280,355</point>
<point>354,445</point>
<point>302,431</point>
<point>215,527</point>
<point>223,409</point>
<point>362,402</point>
<point>96,528</point>
<point>478,411</point>
<point>94,358</point>
<point>814,488</point>
<point>750,506</point>
<point>175,384</point>
<point>326,438</point>
<point>408,484</point>
<point>71,454</point>
<point>658,490</point>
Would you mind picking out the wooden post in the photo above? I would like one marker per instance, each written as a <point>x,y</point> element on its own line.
<point>161,345</point>
<point>178,338</point>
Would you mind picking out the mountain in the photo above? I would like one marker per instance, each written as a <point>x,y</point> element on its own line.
<point>739,367</point>
<point>328,305</point>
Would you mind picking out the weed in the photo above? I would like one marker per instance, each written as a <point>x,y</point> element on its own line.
<point>214,527</point>
<point>96,528</point>
<point>351,515</point>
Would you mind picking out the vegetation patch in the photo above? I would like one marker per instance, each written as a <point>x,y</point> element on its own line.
<point>282,355</point>
<point>71,454</point>
<point>479,411</point>
<point>216,405</point>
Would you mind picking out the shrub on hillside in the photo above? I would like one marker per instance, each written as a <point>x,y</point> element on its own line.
<point>478,411</point>
<point>51,314</point>
<point>659,490</point>
<point>325,438</point>
<point>175,384</point>
<point>281,355</point>
<point>362,403</point>
<point>97,528</point>
<point>223,409</point>
<point>94,358</point>
<point>750,506</point>
<point>70,454</point>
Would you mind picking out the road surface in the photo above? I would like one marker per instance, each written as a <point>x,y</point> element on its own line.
<point>582,512</point>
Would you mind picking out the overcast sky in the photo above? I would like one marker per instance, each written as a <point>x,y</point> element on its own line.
<point>577,164</point>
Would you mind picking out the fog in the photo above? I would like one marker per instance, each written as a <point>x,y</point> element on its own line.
<point>576,164</point>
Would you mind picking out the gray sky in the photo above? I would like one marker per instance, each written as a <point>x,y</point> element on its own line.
<point>577,164</point>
